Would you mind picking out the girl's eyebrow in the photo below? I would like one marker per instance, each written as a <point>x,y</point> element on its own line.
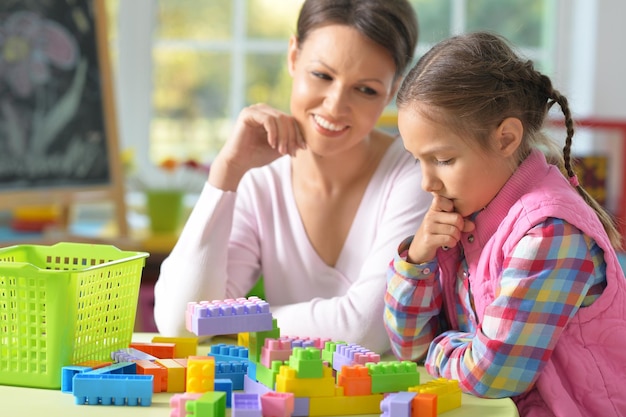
<point>437,149</point>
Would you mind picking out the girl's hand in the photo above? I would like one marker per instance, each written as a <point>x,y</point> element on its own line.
<point>442,227</point>
<point>261,135</point>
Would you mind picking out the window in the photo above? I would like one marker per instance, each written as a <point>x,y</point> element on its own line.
<point>211,58</point>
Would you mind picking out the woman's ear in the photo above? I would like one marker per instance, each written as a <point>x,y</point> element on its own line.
<point>508,136</point>
<point>292,54</point>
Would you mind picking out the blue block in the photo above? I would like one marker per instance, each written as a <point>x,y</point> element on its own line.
<point>118,389</point>
<point>224,385</point>
<point>234,371</point>
<point>67,374</point>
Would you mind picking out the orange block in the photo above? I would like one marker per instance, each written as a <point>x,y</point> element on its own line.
<point>355,380</point>
<point>424,405</point>
<point>159,350</point>
<point>145,367</point>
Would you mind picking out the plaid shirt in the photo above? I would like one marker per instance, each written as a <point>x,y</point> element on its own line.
<point>553,271</point>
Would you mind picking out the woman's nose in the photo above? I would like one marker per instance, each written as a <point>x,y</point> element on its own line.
<point>336,100</point>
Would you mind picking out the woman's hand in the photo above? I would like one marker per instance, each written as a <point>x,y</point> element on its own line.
<point>442,227</point>
<point>261,135</point>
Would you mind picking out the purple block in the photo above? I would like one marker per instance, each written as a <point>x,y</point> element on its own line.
<point>397,404</point>
<point>300,407</point>
<point>246,405</point>
<point>253,387</point>
<point>352,354</point>
<point>229,316</point>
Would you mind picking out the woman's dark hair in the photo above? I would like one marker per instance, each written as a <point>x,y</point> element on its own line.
<point>472,82</point>
<point>390,23</point>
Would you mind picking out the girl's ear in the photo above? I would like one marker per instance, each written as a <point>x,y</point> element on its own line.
<point>292,54</point>
<point>508,136</point>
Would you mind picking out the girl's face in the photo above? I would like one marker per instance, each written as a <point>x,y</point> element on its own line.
<point>342,82</point>
<point>453,167</point>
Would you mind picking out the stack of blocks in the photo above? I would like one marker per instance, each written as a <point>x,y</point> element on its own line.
<point>264,375</point>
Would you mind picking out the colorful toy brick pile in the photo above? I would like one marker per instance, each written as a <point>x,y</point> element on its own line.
<point>264,374</point>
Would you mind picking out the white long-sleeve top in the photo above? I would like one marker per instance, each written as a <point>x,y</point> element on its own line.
<point>231,238</point>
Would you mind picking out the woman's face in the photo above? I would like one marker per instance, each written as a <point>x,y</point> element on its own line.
<point>342,82</point>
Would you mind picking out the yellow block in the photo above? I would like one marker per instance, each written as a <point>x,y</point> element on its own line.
<point>447,391</point>
<point>200,374</point>
<point>175,375</point>
<point>345,405</point>
<point>185,346</point>
<point>287,381</point>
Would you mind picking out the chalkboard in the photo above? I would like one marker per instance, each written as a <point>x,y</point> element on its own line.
<point>58,136</point>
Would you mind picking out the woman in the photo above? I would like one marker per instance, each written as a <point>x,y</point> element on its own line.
<point>315,200</point>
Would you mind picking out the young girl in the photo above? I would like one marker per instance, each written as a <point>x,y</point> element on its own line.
<point>316,199</point>
<point>511,285</point>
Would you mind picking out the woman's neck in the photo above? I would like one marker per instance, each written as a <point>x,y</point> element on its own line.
<point>330,174</point>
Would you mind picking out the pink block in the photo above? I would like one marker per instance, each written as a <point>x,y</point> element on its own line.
<point>178,401</point>
<point>277,404</point>
<point>275,350</point>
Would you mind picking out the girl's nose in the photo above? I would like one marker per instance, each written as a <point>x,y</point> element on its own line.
<point>430,183</point>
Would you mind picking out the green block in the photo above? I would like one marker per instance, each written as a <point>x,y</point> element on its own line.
<point>393,376</point>
<point>256,341</point>
<point>329,350</point>
<point>211,404</point>
<point>307,362</point>
<point>267,376</point>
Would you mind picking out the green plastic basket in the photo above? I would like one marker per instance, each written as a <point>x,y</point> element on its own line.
<point>61,305</point>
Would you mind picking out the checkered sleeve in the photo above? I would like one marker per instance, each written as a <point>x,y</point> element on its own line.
<point>412,305</point>
<point>544,282</point>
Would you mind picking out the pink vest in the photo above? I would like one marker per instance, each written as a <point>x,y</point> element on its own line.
<point>586,374</point>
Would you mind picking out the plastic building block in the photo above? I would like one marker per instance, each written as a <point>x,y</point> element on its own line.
<point>67,373</point>
<point>424,405</point>
<point>329,351</point>
<point>275,350</point>
<point>393,376</point>
<point>252,370</point>
<point>447,391</point>
<point>287,381</point>
<point>355,380</point>
<point>228,316</point>
<point>307,362</point>
<point>246,405</point>
<point>115,389</point>
<point>210,404</point>
<point>352,354</point>
<point>267,376</point>
<point>130,355</point>
<point>184,346</point>
<point>116,368</point>
<point>243,339</point>
<point>226,353</point>
<point>277,404</point>
<point>256,341</point>
<point>301,407</point>
<point>200,374</point>
<point>158,350</point>
<point>233,371</point>
<point>176,375</point>
<point>226,386</point>
<point>342,405</point>
<point>159,373</point>
<point>397,404</point>
<point>316,342</point>
<point>178,403</point>
<point>251,386</point>
<point>94,364</point>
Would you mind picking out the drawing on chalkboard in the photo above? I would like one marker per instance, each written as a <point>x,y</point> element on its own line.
<point>52,131</point>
